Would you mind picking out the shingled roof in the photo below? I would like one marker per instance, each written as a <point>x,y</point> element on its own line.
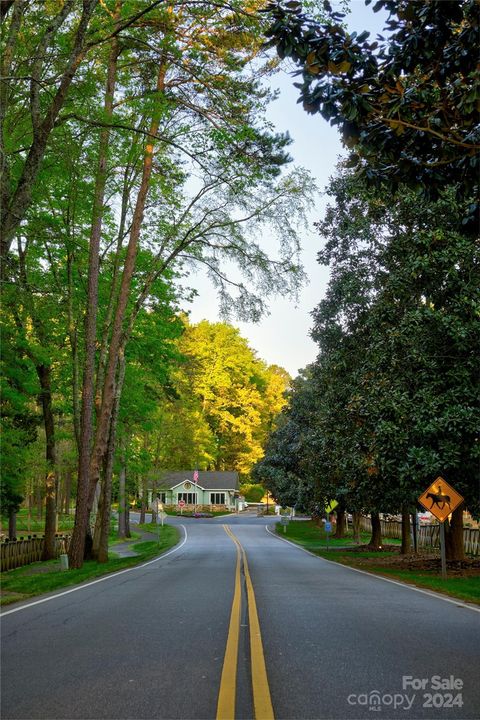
<point>209,480</point>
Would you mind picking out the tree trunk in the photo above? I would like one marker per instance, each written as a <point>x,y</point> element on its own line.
<point>454,535</point>
<point>99,517</point>
<point>108,394</point>
<point>90,465</point>
<point>12,525</point>
<point>103,354</point>
<point>143,506</point>
<point>44,376</point>
<point>39,498</point>
<point>415,532</point>
<point>68,491</point>
<point>29,509</point>
<point>128,533</point>
<point>96,497</point>
<point>376,539</point>
<point>154,495</point>
<point>406,540</point>
<point>86,417</point>
<point>102,555</point>
<point>50,517</point>
<point>121,499</point>
<point>340,528</point>
<point>356,527</point>
<point>73,338</point>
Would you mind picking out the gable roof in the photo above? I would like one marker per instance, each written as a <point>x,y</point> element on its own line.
<point>207,480</point>
<point>194,485</point>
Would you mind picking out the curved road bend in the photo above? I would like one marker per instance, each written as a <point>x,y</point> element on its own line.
<point>151,642</point>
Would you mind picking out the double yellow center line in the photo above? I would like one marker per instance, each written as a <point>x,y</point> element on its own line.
<point>262,702</point>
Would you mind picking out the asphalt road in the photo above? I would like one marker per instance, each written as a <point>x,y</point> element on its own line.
<point>150,642</point>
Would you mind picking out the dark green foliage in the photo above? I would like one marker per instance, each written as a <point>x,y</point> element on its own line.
<point>19,420</point>
<point>407,103</point>
<point>393,400</point>
<point>285,469</point>
<point>253,493</point>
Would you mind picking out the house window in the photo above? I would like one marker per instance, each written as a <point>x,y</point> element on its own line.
<point>217,498</point>
<point>162,497</point>
<point>188,498</point>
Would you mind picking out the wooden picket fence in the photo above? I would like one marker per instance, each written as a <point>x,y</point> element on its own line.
<point>428,536</point>
<point>471,540</point>
<point>23,551</point>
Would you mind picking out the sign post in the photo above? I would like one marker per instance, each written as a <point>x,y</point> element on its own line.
<point>328,525</point>
<point>328,530</point>
<point>157,506</point>
<point>181,505</point>
<point>285,520</point>
<point>441,499</point>
<point>162,515</point>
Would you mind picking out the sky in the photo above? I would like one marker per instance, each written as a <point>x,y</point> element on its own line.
<point>282,338</point>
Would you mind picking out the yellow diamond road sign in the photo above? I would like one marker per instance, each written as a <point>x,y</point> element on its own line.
<point>440,499</point>
<point>331,506</point>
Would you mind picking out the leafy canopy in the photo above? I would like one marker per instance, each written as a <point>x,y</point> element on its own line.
<point>406,104</point>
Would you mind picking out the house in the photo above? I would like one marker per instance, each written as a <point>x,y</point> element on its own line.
<point>212,490</point>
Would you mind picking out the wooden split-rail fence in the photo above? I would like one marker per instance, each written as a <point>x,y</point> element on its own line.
<point>26,550</point>
<point>428,536</point>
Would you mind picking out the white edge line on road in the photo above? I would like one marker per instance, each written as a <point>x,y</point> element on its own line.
<point>110,576</point>
<point>438,596</point>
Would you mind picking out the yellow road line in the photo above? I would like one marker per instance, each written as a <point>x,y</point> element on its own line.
<point>262,701</point>
<point>261,691</point>
<point>228,682</point>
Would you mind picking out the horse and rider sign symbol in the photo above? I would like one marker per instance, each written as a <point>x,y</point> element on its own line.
<point>440,499</point>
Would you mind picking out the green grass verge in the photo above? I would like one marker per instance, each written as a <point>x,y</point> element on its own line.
<point>43,577</point>
<point>312,538</point>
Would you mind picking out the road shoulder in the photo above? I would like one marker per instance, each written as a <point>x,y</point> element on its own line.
<point>432,593</point>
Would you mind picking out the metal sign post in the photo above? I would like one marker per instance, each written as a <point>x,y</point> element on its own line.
<point>328,530</point>
<point>161,515</point>
<point>443,552</point>
<point>284,520</point>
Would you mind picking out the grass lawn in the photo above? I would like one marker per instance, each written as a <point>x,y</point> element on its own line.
<point>44,577</point>
<point>37,526</point>
<point>464,585</point>
<point>313,537</point>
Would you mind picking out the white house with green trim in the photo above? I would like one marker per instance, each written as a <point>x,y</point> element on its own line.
<point>213,490</point>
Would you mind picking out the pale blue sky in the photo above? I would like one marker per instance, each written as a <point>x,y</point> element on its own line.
<point>283,338</point>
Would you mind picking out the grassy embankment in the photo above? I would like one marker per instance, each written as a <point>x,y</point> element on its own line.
<point>43,577</point>
<point>389,563</point>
